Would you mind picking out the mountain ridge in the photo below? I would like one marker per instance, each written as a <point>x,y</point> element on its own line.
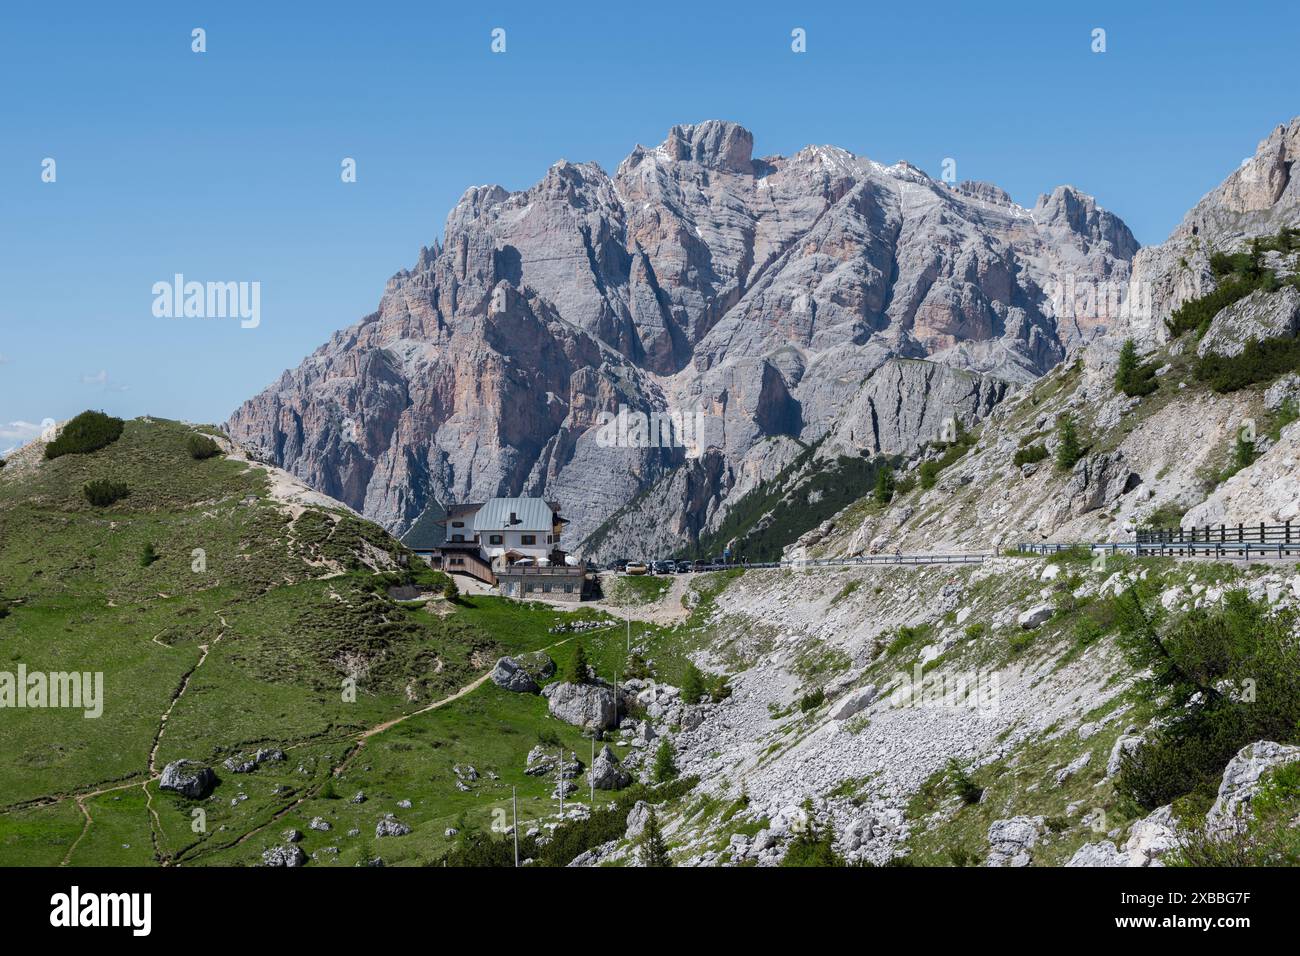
<point>761,292</point>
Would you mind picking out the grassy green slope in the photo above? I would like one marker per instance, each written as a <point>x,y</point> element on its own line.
<point>251,651</point>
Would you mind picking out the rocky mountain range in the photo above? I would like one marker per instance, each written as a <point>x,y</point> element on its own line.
<point>778,298</point>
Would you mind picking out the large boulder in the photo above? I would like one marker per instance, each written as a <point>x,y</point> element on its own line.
<point>390,826</point>
<point>1035,616</point>
<point>606,774</point>
<point>1125,742</point>
<point>289,855</point>
<point>1104,853</point>
<point>589,706</point>
<point>1011,840</point>
<point>188,778</point>
<point>543,760</point>
<point>1260,315</point>
<point>1151,838</point>
<point>854,703</point>
<point>523,674</point>
<point>636,819</point>
<point>1240,783</point>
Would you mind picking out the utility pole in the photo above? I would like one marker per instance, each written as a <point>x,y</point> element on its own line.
<point>559,773</point>
<point>514,813</point>
<point>591,779</point>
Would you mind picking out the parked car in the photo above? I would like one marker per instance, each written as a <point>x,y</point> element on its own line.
<point>702,565</point>
<point>619,565</point>
<point>663,567</point>
<point>636,567</point>
<point>684,567</point>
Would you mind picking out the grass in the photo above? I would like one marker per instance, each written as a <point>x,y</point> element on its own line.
<point>286,609</point>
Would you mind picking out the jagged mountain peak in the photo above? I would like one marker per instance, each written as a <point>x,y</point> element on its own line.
<point>763,292</point>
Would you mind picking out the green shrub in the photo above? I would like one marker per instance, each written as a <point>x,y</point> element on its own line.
<point>963,785</point>
<point>1132,377</point>
<point>693,689</point>
<point>929,474</point>
<point>813,846</point>
<point>637,667</point>
<point>812,700</point>
<point>1258,362</point>
<point>89,431</point>
<point>1029,455</point>
<point>201,447</point>
<point>450,590</point>
<point>665,766</point>
<point>148,555</point>
<point>885,486</point>
<point>1227,677</point>
<point>102,492</point>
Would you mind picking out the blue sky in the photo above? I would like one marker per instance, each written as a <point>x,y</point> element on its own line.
<point>225,165</point>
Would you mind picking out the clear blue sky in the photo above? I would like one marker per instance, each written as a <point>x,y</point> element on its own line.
<point>225,165</point>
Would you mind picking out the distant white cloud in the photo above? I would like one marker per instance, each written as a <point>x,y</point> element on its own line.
<point>102,380</point>
<point>19,433</point>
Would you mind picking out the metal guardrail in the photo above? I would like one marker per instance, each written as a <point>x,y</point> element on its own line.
<point>1240,533</point>
<point>1243,550</point>
<point>918,558</point>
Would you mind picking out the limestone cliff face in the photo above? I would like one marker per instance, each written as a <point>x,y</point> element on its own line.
<point>759,293</point>
<point>1259,197</point>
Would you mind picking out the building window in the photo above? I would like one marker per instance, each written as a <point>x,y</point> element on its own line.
<point>568,589</point>
<point>495,539</point>
<point>546,588</point>
<point>458,524</point>
<point>529,539</point>
<point>457,537</point>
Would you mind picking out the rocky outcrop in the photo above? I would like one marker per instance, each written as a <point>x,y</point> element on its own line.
<point>1241,782</point>
<point>189,778</point>
<point>1010,841</point>
<point>289,855</point>
<point>606,773</point>
<point>906,404</point>
<point>523,674</point>
<point>758,293</point>
<point>1257,199</point>
<point>390,826</point>
<point>589,706</point>
<point>1259,316</point>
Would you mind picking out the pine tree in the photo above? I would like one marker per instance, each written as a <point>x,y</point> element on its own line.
<point>884,492</point>
<point>665,766</point>
<point>1068,452</point>
<point>578,672</point>
<point>450,591</point>
<point>1132,377</point>
<point>654,852</point>
<point>693,686</point>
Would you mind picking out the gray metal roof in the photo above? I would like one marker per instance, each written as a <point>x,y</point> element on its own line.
<point>531,514</point>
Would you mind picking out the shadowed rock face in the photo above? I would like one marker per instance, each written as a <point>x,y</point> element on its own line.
<point>761,293</point>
